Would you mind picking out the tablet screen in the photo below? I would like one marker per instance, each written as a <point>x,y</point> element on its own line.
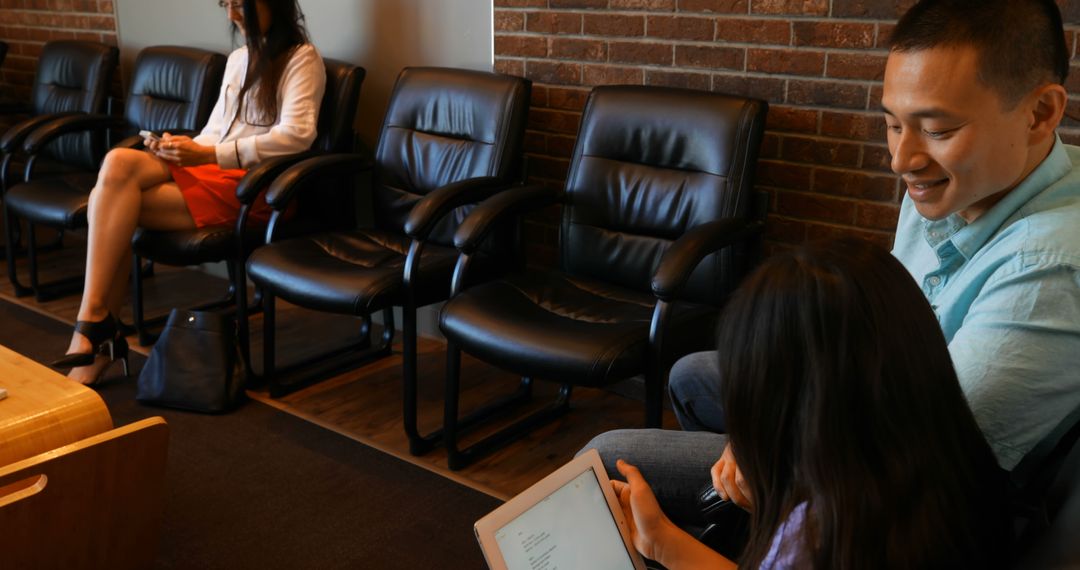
<point>570,528</point>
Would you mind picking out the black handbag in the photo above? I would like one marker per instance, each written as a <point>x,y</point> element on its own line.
<point>195,364</point>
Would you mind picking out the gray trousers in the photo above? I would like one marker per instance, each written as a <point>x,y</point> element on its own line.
<point>676,463</point>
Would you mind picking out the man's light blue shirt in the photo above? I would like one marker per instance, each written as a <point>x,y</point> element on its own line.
<point>1006,290</point>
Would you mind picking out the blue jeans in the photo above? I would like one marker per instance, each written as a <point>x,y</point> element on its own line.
<point>694,387</point>
<point>676,463</point>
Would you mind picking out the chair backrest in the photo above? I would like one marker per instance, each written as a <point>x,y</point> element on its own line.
<point>337,112</point>
<point>444,126</point>
<point>97,503</point>
<point>1058,547</point>
<point>74,76</point>
<point>651,163</point>
<point>1048,484</point>
<point>173,88</point>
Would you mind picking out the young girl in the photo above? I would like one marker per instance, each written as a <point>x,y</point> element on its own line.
<point>855,445</point>
<point>268,106</point>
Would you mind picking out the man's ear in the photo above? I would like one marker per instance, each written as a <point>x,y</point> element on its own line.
<point>1046,112</point>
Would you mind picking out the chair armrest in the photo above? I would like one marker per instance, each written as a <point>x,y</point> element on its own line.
<point>283,188</point>
<point>13,138</point>
<point>134,142</point>
<point>66,125</point>
<point>439,202</point>
<point>471,233</point>
<point>259,177</point>
<point>684,255</point>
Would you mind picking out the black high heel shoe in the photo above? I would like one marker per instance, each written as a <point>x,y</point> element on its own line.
<point>105,338</point>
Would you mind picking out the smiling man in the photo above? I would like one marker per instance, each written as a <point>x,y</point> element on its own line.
<point>989,227</point>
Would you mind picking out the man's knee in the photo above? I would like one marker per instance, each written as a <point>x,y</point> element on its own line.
<point>694,387</point>
<point>694,371</point>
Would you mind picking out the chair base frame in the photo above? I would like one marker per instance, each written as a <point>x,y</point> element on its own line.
<point>457,457</point>
<point>288,379</point>
<point>141,269</point>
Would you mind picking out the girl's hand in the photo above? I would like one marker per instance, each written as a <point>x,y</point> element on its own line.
<point>649,526</point>
<point>151,145</point>
<point>729,482</point>
<point>183,151</point>
<point>653,534</point>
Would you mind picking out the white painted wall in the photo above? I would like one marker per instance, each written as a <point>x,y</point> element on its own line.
<point>381,35</point>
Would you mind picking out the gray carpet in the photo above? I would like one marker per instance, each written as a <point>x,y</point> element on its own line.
<point>258,488</point>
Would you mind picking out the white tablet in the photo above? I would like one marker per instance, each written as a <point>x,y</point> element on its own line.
<point>569,520</point>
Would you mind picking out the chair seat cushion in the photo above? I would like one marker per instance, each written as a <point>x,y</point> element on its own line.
<point>567,329</point>
<point>356,272</point>
<point>57,201</point>
<point>194,246</point>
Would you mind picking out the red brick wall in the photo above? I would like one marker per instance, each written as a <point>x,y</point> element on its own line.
<point>819,63</point>
<point>27,24</point>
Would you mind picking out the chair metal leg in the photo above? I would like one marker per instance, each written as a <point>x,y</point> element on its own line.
<point>458,458</point>
<point>418,444</point>
<point>269,323</point>
<point>15,241</point>
<point>54,289</point>
<point>655,371</point>
<point>10,224</point>
<point>140,269</point>
<point>137,301</point>
<point>284,380</point>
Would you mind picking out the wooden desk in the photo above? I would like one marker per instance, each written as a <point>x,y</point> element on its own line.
<point>43,410</point>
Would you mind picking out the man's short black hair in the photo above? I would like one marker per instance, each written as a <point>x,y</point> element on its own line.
<point>1021,43</point>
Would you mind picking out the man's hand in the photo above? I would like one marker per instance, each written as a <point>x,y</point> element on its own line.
<point>183,151</point>
<point>728,480</point>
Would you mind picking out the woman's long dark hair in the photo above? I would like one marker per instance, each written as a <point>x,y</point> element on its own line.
<point>840,393</point>
<point>268,54</point>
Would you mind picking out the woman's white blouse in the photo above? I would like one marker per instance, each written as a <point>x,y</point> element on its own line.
<point>239,144</point>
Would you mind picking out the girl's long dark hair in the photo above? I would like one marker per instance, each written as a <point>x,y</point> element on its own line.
<point>840,393</point>
<point>268,54</point>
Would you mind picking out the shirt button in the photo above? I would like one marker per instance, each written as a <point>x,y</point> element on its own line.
<point>935,281</point>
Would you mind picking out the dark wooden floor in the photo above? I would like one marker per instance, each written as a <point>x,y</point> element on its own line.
<point>365,403</point>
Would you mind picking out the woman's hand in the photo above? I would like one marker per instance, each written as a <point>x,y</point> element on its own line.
<point>728,480</point>
<point>653,533</point>
<point>182,151</point>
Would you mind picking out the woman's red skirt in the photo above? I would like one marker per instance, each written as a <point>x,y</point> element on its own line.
<point>210,194</point>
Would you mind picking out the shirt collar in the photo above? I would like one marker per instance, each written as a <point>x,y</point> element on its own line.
<point>969,238</point>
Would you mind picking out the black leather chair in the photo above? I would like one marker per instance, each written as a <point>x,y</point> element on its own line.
<point>1056,547</point>
<point>450,138</point>
<point>232,244</point>
<point>172,89</point>
<point>659,217</point>
<point>72,77</point>
<point>1048,499</point>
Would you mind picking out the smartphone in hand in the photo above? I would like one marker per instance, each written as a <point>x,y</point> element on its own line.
<point>151,135</point>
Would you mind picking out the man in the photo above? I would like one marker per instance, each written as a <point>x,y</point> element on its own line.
<point>989,227</point>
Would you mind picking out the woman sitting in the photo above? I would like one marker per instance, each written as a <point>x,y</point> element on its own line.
<point>855,445</point>
<point>268,106</point>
